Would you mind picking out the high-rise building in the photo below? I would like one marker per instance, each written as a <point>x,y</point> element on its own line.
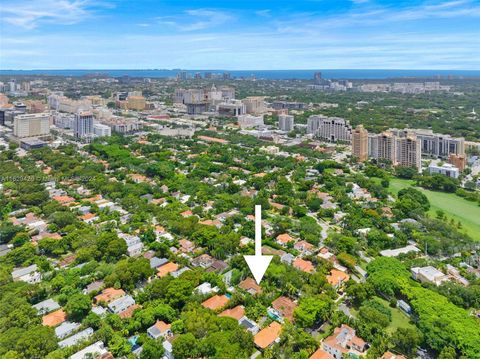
<point>286,122</point>
<point>360,143</point>
<point>436,145</point>
<point>409,153</point>
<point>317,78</point>
<point>255,105</point>
<point>402,149</point>
<point>331,129</point>
<point>136,103</point>
<point>83,125</point>
<point>30,125</point>
<point>386,147</point>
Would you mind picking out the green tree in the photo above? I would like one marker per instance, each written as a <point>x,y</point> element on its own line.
<point>78,306</point>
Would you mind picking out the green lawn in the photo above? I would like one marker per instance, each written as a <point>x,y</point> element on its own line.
<point>399,319</point>
<point>468,213</point>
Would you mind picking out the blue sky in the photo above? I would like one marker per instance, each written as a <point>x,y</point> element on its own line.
<point>243,34</point>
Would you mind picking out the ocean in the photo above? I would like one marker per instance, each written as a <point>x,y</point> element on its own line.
<point>262,74</point>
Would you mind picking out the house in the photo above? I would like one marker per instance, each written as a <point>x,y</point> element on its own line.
<point>135,249</point>
<point>249,285</point>
<point>186,214</point>
<point>159,329</point>
<point>217,266</point>
<point>249,325</point>
<point>216,302</point>
<point>27,274</point>
<point>177,273</point>
<point>303,265</point>
<point>428,274</point>
<point>304,247</point>
<point>398,251</point>
<point>343,342</point>
<point>54,318</point>
<point>121,304</point>
<point>186,246</point>
<point>336,278</point>
<point>76,338</point>
<point>284,239</point>
<point>128,313</point>
<point>92,351</point>
<point>89,217</point>
<point>156,262</point>
<point>268,336</point>
<point>236,313</point>
<point>206,288</point>
<point>209,222</point>
<point>94,286</point>
<point>46,306</point>
<point>166,269</point>
<point>108,295</point>
<point>282,308</point>
<point>320,354</point>
<point>203,261</point>
<point>390,355</point>
<point>65,329</point>
<point>287,258</point>
<point>454,273</point>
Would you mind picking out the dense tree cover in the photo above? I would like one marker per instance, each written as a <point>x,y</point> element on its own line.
<point>206,334</point>
<point>312,310</point>
<point>443,323</point>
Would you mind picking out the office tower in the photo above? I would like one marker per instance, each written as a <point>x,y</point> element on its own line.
<point>83,124</point>
<point>317,78</point>
<point>136,103</point>
<point>285,122</point>
<point>29,125</point>
<point>409,152</point>
<point>360,143</point>
<point>255,105</point>
<point>182,75</point>
<point>12,86</point>
<point>331,129</point>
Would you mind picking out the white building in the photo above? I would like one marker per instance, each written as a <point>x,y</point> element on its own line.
<point>286,122</point>
<point>28,274</point>
<point>249,121</point>
<point>30,125</point>
<point>331,129</point>
<point>83,124</point>
<point>428,274</point>
<point>446,169</point>
<point>102,130</point>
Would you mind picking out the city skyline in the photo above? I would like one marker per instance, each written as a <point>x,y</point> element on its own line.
<point>361,34</point>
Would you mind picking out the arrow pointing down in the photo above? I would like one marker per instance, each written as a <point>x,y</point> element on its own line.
<point>258,264</point>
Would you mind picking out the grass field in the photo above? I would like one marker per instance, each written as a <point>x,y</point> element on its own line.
<point>399,320</point>
<point>468,213</point>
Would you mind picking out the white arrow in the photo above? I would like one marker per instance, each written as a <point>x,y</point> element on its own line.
<point>258,264</point>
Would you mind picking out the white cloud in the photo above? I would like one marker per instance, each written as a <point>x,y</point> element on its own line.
<point>29,14</point>
<point>196,19</point>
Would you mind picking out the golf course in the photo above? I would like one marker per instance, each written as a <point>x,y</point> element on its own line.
<point>467,212</point>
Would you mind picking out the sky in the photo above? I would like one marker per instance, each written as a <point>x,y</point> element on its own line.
<point>239,35</point>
